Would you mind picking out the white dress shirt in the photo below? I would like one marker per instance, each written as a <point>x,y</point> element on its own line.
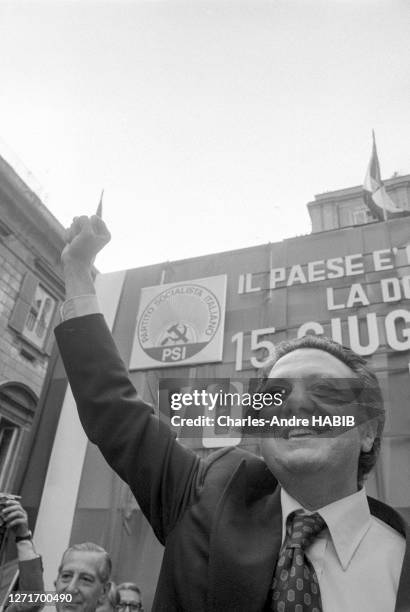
<point>357,558</point>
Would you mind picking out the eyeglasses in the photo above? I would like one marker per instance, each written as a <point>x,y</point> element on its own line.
<point>337,391</point>
<point>133,605</point>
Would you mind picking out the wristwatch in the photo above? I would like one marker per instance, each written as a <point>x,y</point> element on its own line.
<point>28,536</point>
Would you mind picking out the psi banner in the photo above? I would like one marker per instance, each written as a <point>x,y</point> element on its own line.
<point>180,324</point>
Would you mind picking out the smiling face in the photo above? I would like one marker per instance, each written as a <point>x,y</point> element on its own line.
<point>302,452</point>
<point>80,576</point>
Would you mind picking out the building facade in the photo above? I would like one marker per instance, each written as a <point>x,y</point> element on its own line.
<point>345,207</point>
<point>31,290</point>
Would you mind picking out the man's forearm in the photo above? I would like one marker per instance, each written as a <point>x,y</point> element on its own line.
<point>78,280</point>
<point>80,292</point>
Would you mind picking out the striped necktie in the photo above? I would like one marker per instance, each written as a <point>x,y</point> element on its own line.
<point>295,585</point>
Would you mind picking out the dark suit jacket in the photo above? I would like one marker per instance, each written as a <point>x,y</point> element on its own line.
<point>30,579</point>
<point>220,519</point>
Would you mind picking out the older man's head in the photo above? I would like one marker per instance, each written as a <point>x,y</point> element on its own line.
<point>130,599</point>
<point>84,576</point>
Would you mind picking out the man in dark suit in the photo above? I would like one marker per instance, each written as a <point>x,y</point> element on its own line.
<point>30,578</point>
<point>83,575</point>
<point>292,531</point>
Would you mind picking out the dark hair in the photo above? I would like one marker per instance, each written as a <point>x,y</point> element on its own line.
<point>130,586</point>
<point>105,572</point>
<point>371,398</point>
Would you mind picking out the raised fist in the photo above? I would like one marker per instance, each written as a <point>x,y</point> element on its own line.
<point>14,516</point>
<point>84,239</point>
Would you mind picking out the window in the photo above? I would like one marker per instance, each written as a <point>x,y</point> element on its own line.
<point>362,215</point>
<point>9,439</point>
<point>328,218</point>
<point>17,405</point>
<point>35,314</point>
<point>39,317</point>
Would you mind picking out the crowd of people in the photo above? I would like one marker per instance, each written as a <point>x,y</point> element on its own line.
<point>84,574</point>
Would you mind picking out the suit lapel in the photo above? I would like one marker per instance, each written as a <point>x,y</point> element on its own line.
<point>394,519</point>
<point>245,541</point>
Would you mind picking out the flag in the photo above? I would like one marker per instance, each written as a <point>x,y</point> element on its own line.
<point>375,195</point>
<point>99,209</point>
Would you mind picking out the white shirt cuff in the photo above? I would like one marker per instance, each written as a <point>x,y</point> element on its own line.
<point>26,551</point>
<point>79,306</point>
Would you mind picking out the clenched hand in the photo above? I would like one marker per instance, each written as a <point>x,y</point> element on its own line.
<point>84,239</point>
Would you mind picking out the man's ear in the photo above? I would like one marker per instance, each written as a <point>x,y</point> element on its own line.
<point>368,433</point>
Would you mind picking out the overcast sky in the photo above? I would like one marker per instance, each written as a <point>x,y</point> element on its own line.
<point>210,124</point>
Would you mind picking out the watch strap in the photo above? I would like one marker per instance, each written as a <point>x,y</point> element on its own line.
<point>28,536</point>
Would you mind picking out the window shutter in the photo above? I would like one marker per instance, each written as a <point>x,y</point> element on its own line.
<point>23,302</point>
<point>54,321</point>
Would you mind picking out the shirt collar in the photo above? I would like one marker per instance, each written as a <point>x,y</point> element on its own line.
<point>347,519</point>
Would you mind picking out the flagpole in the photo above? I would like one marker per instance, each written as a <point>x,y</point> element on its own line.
<point>377,157</point>
<point>387,230</point>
